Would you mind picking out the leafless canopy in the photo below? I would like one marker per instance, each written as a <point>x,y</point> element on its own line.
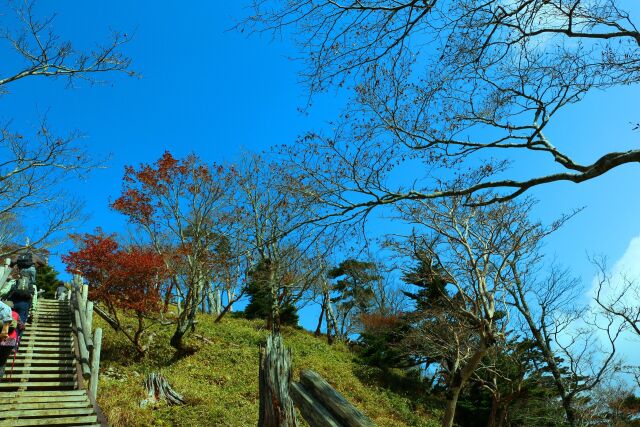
<point>443,84</point>
<point>34,163</point>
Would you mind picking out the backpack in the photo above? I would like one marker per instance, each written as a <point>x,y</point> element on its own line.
<point>24,261</point>
<point>22,290</point>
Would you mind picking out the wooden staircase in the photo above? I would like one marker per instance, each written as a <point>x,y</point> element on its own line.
<point>45,387</point>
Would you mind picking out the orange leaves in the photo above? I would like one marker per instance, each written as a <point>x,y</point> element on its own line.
<point>128,278</point>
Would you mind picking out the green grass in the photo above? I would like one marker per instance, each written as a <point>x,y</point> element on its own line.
<point>220,380</point>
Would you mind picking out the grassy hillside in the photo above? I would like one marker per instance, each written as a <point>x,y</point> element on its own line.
<point>220,380</point>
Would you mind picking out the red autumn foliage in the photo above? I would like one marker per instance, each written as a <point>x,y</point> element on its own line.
<point>124,278</point>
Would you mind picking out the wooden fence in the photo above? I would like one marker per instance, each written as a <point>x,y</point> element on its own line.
<point>321,405</point>
<point>88,343</point>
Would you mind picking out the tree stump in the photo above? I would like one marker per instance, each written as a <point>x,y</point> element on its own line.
<point>158,388</point>
<point>276,406</point>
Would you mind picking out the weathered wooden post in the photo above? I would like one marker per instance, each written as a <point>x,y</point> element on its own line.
<point>276,406</point>
<point>95,362</point>
<point>89,316</point>
<point>82,346</point>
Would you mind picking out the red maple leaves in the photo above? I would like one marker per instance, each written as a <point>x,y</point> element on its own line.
<point>128,278</point>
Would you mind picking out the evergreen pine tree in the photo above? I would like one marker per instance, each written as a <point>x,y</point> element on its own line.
<point>47,279</point>
<point>259,306</point>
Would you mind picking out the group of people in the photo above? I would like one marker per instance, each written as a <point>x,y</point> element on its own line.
<point>14,309</point>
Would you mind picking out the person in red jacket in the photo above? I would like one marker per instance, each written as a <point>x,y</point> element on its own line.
<point>11,324</point>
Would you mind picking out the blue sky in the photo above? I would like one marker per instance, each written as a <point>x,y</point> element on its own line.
<point>210,90</point>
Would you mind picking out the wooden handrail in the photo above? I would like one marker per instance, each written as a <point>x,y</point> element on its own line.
<point>89,342</point>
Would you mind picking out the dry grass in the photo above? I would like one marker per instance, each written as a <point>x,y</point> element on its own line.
<point>220,380</point>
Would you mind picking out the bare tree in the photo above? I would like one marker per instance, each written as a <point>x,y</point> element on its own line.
<point>451,84</point>
<point>275,225</point>
<point>620,299</point>
<point>34,164</point>
<point>470,250</point>
<point>571,345</point>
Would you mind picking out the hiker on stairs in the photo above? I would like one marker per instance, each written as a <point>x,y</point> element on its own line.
<point>21,294</point>
<point>11,325</point>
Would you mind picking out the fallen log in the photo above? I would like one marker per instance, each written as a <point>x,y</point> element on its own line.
<point>334,402</point>
<point>313,413</point>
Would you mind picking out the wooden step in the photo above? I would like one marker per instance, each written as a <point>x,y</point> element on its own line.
<point>43,405</point>
<point>47,413</point>
<point>35,361</point>
<point>36,370</point>
<point>53,333</point>
<point>48,349</point>
<point>36,335</point>
<point>74,400</point>
<point>38,385</point>
<point>45,356</point>
<point>45,344</point>
<point>41,375</point>
<point>43,393</point>
<point>65,421</point>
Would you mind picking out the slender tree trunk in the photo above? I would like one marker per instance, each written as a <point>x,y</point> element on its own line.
<point>332,324</point>
<point>138,336</point>
<point>167,296</point>
<point>547,353</point>
<point>230,296</point>
<point>317,331</point>
<point>186,319</point>
<point>274,316</point>
<point>329,331</point>
<point>217,302</point>
<point>209,299</point>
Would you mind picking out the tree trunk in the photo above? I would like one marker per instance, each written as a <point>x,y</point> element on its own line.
<point>216,302</point>
<point>572,419</point>
<point>276,406</point>
<point>329,331</point>
<point>332,324</point>
<point>230,296</point>
<point>274,318</point>
<point>548,355</point>
<point>450,408</point>
<point>317,331</point>
<point>458,381</point>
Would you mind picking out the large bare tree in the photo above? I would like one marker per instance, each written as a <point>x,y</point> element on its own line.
<point>442,84</point>
<point>577,346</point>
<point>35,162</point>
<point>470,250</point>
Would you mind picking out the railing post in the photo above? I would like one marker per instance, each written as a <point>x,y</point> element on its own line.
<point>89,316</point>
<point>82,344</point>
<point>95,362</point>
